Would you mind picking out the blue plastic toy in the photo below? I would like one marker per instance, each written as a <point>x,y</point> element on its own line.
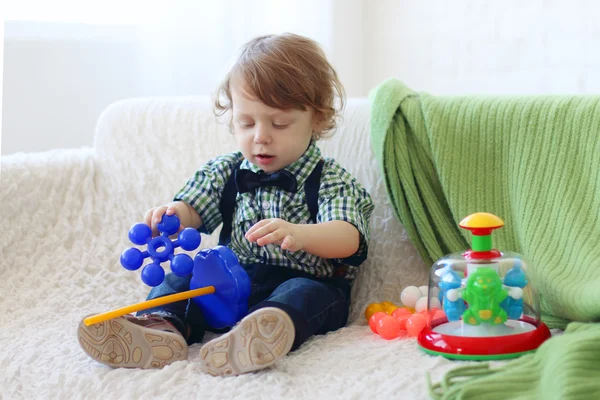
<point>220,268</point>
<point>160,249</point>
<point>453,308</point>
<point>515,277</point>
<point>217,267</point>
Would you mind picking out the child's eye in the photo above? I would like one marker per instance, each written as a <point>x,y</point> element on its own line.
<point>280,126</point>
<point>246,124</point>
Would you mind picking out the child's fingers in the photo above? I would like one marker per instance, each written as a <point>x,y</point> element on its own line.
<point>156,218</point>
<point>257,226</point>
<point>262,232</point>
<point>288,243</point>
<point>148,217</point>
<point>154,215</point>
<point>272,237</point>
<point>252,231</point>
<point>158,214</point>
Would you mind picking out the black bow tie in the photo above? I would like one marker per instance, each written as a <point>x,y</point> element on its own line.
<point>248,181</point>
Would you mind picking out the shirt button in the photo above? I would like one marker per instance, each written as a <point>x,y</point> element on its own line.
<point>266,205</point>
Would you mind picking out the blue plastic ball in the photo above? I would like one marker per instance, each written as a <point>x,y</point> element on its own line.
<point>132,259</point>
<point>189,239</point>
<point>140,234</point>
<point>182,265</point>
<point>169,224</point>
<point>153,274</point>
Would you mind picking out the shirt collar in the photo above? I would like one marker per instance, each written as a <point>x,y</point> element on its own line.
<point>301,168</point>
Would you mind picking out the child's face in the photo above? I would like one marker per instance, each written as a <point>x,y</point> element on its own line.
<point>268,137</point>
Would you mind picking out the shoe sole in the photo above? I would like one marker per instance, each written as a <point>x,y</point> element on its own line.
<point>258,341</point>
<point>121,343</point>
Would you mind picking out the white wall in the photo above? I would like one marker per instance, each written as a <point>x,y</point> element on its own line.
<point>58,77</point>
<point>56,82</point>
<point>55,87</point>
<point>501,47</point>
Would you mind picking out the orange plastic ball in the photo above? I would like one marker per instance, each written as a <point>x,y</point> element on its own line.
<point>430,314</point>
<point>372,309</point>
<point>415,324</point>
<point>388,327</point>
<point>398,312</point>
<point>439,314</point>
<point>374,321</point>
<point>402,319</point>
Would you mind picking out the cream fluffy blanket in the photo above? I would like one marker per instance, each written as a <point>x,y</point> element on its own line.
<point>65,216</point>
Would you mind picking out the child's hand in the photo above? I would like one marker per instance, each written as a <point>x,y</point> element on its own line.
<point>275,231</point>
<point>154,215</point>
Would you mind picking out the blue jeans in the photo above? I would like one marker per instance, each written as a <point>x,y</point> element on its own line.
<point>316,306</point>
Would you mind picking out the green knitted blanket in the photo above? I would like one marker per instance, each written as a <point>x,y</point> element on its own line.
<point>534,162</point>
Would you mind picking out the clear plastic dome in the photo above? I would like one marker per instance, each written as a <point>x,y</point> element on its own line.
<point>490,305</point>
<point>483,297</point>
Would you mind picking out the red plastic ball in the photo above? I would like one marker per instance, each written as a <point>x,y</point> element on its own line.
<point>388,327</point>
<point>415,324</point>
<point>439,314</point>
<point>374,321</point>
<point>402,319</point>
<point>402,311</point>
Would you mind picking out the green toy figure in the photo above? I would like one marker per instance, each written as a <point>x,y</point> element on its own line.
<point>484,293</point>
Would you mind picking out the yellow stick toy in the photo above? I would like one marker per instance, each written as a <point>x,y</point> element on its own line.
<point>159,301</point>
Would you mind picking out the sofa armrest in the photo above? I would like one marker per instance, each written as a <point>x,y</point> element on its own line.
<point>38,189</point>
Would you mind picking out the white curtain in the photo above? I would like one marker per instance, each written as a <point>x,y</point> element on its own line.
<point>65,60</point>
<point>190,48</point>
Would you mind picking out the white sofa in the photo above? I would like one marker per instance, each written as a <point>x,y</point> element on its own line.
<point>65,217</point>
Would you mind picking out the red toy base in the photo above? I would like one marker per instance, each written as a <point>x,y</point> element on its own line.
<point>482,348</point>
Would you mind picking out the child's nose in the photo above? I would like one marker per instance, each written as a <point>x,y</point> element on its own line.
<point>262,134</point>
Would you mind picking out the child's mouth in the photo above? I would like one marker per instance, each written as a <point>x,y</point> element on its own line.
<point>264,159</point>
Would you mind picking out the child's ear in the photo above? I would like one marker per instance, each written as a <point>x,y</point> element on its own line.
<point>319,123</point>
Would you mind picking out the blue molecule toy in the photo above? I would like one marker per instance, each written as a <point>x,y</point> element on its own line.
<point>217,268</point>
<point>160,249</point>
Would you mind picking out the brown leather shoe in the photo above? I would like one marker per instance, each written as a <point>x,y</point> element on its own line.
<point>147,341</point>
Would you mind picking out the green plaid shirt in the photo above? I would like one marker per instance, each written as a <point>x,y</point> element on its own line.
<point>341,198</point>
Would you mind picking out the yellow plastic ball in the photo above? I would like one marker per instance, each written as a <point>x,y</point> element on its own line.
<point>372,309</point>
<point>390,308</point>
